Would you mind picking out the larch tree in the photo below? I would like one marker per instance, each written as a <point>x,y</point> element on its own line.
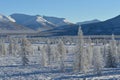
<point>81,60</point>
<point>89,55</point>
<point>118,50</point>
<point>24,51</point>
<point>112,57</point>
<point>2,47</point>
<point>38,48</point>
<point>106,54</point>
<point>62,54</point>
<point>56,54</point>
<point>16,47</point>
<point>98,61</point>
<point>44,57</point>
<point>49,52</point>
<point>11,46</point>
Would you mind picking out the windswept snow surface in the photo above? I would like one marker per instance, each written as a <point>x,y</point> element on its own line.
<point>12,69</point>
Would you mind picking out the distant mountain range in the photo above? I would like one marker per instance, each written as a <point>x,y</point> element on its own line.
<point>19,23</point>
<point>38,22</point>
<point>108,27</point>
<point>54,26</point>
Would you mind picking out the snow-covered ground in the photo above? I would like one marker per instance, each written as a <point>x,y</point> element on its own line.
<point>36,72</point>
<point>12,69</point>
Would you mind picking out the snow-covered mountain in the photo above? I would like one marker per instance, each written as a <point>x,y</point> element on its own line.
<point>57,21</point>
<point>8,25</point>
<point>38,22</point>
<point>108,27</point>
<point>6,18</point>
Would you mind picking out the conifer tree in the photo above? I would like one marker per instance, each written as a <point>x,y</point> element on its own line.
<point>2,47</point>
<point>112,57</point>
<point>24,51</point>
<point>80,54</point>
<point>62,54</point>
<point>98,61</point>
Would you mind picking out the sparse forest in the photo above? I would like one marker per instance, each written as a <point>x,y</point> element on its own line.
<point>59,58</point>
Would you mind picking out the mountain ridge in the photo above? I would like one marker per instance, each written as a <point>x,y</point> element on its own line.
<point>57,26</point>
<point>37,22</point>
<point>108,27</point>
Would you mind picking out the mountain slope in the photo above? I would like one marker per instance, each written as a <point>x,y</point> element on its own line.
<point>33,22</point>
<point>6,18</point>
<point>57,21</point>
<point>67,30</point>
<point>7,24</point>
<point>38,22</point>
<point>108,27</point>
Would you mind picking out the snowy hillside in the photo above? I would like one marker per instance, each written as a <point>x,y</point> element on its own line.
<point>6,18</point>
<point>8,25</point>
<point>38,22</point>
<point>57,21</point>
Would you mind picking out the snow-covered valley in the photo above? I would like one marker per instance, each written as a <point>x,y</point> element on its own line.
<point>11,68</point>
<point>47,59</point>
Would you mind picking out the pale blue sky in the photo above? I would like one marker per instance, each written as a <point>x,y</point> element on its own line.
<point>73,10</point>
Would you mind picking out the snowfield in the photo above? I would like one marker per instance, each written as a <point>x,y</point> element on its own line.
<point>59,59</point>
<point>12,69</point>
<point>35,72</point>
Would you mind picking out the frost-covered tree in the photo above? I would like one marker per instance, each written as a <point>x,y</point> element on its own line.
<point>62,54</point>
<point>112,56</point>
<point>29,47</point>
<point>38,48</point>
<point>2,47</point>
<point>49,52</point>
<point>105,50</point>
<point>25,60</point>
<point>44,57</point>
<point>118,50</point>
<point>79,52</point>
<point>55,53</point>
<point>81,62</point>
<point>90,51</point>
<point>24,51</point>
<point>16,47</point>
<point>86,60</point>
<point>98,61</point>
<point>11,46</point>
